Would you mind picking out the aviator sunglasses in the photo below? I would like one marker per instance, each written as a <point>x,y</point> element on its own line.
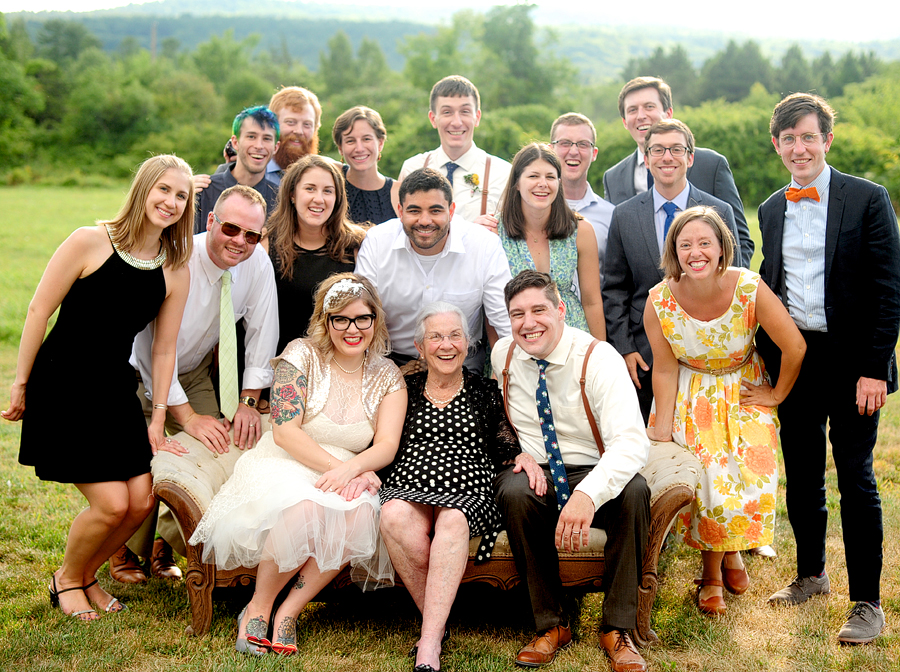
<point>231,230</point>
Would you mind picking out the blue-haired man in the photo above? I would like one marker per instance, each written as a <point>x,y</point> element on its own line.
<point>255,138</point>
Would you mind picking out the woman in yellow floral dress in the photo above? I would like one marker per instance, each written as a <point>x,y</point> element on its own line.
<point>711,394</point>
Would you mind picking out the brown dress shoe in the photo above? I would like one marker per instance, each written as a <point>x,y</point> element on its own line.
<point>623,654</point>
<point>711,606</point>
<point>736,580</point>
<point>542,648</point>
<point>162,562</point>
<point>125,567</point>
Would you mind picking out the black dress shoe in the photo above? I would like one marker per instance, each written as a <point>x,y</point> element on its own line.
<point>425,668</point>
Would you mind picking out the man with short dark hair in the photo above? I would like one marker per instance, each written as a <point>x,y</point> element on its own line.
<point>590,464</point>
<point>227,253</point>
<point>427,255</point>
<point>476,178</point>
<point>636,236</point>
<point>573,136</point>
<point>255,138</point>
<point>642,102</point>
<point>831,252</point>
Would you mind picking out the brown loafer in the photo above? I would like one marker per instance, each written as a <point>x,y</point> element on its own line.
<point>162,562</point>
<point>736,580</point>
<point>711,606</point>
<point>542,649</point>
<point>125,567</point>
<point>623,654</point>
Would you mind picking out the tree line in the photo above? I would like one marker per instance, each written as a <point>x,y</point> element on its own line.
<point>70,111</point>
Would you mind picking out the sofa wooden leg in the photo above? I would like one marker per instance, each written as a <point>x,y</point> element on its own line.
<point>200,581</point>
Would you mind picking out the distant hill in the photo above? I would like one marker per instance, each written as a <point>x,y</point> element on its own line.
<point>598,51</point>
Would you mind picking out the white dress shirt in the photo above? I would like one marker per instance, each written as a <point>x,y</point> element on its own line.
<point>611,395</point>
<point>255,301</point>
<point>470,272</point>
<point>803,254</point>
<point>598,212</point>
<point>468,201</point>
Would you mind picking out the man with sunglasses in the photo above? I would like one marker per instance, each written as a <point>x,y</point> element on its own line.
<point>831,253</point>
<point>255,139</point>
<point>636,236</point>
<point>229,244</point>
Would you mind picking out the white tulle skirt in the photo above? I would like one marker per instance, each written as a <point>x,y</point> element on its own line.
<point>270,510</point>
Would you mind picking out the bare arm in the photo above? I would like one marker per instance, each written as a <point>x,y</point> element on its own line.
<point>589,280</point>
<point>774,318</point>
<point>665,376</point>
<point>82,251</point>
<point>168,322</point>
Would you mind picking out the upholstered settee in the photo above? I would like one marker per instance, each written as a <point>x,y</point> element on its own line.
<point>187,484</point>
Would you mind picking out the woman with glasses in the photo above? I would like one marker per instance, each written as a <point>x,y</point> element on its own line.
<point>309,239</point>
<point>540,232</point>
<point>439,493</point>
<point>303,504</point>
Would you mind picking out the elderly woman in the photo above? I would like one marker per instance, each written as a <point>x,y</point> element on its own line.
<point>303,503</point>
<point>712,397</point>
<point>359,135</point>
<point>439,493</point>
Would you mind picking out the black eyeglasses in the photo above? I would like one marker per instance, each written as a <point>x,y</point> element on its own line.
<point>231,230</point>
<point>583,145</point>
<point>342,323</point>
<point>675,150</point>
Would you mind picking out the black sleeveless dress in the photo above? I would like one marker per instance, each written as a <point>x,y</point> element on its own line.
<point>369,206</point>
<point>83,420</point>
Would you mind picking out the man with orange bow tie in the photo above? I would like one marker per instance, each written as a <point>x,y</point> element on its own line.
<point>832,254</point>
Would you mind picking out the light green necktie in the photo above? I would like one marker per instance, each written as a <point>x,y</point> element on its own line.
<point>228,387</point>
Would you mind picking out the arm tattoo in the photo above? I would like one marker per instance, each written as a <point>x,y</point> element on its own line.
<point>288,393</point>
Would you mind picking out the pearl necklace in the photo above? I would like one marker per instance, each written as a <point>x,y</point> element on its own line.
<point>442,402</point>
<point>349,373</point>
<point>141,264</point>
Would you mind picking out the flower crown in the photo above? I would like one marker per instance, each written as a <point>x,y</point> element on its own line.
<point>342,290</point>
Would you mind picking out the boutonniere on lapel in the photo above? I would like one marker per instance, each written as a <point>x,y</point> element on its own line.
<point>474,182</point>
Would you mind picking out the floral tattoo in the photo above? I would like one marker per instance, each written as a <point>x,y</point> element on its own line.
<point>288,393</point>
<point>300,584</point>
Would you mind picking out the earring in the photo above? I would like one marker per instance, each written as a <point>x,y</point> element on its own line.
<point>379,156</point>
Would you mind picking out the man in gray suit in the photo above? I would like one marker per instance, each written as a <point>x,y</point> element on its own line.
<point>642,102</point>
<point>636,235</point>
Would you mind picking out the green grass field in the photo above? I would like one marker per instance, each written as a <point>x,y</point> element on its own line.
<point>372,632</point>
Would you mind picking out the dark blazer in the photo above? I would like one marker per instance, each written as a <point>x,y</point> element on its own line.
<point>710,173</point>
<point>862,276</point>
<point>632,267</point>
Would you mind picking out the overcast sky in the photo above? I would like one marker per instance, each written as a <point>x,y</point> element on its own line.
<point>828,19</point>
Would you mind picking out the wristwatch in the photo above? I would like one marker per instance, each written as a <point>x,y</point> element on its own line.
<point>249,401</point>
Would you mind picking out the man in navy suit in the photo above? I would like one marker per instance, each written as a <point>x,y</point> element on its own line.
<point>642,102</point>
<point>636,235</point>
<point>832,254</point>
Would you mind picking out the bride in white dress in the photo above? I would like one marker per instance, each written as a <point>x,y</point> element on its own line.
<point>303,503</point>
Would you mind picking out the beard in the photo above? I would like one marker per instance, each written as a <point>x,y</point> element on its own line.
<point>287,153</point>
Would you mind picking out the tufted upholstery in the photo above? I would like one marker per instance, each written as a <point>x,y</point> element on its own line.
<point>188,483</point>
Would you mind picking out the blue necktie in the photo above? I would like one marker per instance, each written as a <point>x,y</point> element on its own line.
<point>670,209</point>
<point>551,444</point>
<point>451,167</point>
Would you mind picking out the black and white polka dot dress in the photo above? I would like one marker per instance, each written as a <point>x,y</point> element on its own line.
<point>447,459</point>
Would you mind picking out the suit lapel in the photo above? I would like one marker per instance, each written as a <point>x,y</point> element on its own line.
<point>835,216</point>
<point>628,177</point>
<point>647,222</point>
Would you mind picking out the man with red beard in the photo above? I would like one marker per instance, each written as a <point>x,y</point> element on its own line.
<point>299,117</point>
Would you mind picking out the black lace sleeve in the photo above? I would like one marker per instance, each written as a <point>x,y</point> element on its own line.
<point>487,404</point>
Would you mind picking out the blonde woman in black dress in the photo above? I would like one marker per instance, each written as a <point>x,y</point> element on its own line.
<point>109,281</point>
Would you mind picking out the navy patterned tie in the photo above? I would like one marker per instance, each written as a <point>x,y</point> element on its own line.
<point>451,167</point>
<point>670,209</point>
<point>551,444</point>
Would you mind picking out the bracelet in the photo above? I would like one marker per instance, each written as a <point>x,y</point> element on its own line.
<point>161,407</point>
